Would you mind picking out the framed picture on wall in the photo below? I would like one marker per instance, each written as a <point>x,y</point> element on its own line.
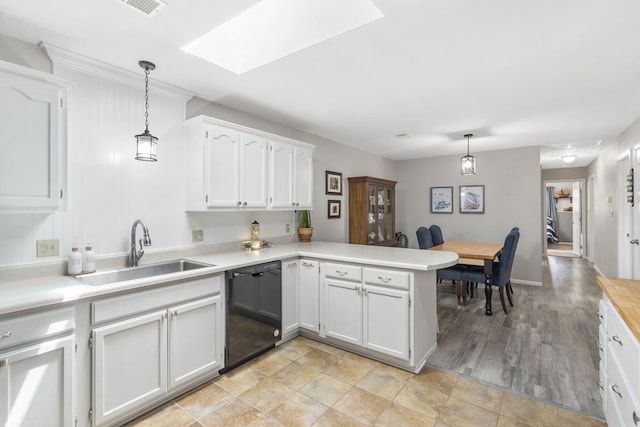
<point>472,199</point>
<point>441,199</point>
<point>333,183</point>
<point>333,208</point>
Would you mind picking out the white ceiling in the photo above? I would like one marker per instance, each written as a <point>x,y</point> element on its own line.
<point>552,73</point>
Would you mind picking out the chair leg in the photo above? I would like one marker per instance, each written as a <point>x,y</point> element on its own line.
<point>509,295</point>
<point>510,287</point>
<point>459,294</point>
<point>504,306</point>
<point>470,288</point>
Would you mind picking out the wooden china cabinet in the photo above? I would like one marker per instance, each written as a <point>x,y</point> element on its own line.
<point>372,211</point>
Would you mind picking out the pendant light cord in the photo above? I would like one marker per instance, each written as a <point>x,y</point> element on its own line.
<point>146,100</point>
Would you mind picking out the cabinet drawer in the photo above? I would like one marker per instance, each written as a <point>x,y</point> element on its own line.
<point>389,278</point>
<point>619,392</point>
<point>35,326</point>
<point>343,271</point>
<point>624,346</point>
<point>147,300</point>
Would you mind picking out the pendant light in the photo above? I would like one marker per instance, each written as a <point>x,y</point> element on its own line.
<point>468,162</point>
<point>147,143</point>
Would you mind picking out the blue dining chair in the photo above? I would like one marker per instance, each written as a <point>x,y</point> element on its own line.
<point>424,238</point>
<point>501,270</point>
<point>436,235</point>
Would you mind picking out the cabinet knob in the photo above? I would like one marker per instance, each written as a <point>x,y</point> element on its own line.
<point>635,418</point>
<point>293,204</point>
<point>600,385</point>
<point>384,279</point>
<point>239,203</point>
<point>635,242</point>
<point>6,334</point>
<point>244,204</point>
<point>600,316</point>
<point>617,339</point>
<point>341,272</point>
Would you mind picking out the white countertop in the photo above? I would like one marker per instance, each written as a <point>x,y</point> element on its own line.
<point>45,291</point>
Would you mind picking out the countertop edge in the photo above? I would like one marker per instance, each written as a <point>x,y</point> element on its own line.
<point>628,310</point>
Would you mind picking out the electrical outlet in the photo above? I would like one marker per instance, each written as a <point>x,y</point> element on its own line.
<point>197,235</point>
<point>49,247</point>
<point>287,228</point>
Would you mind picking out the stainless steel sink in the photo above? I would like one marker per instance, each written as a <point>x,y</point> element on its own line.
<point>140,272</point>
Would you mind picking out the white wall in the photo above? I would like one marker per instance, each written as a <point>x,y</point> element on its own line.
<point>512,198</point>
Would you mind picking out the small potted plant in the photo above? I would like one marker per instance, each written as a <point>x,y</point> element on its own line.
<point>305,230</point>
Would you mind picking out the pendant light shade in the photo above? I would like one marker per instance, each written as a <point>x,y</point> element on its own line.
<point>146,143</point>
<point>468,162</point>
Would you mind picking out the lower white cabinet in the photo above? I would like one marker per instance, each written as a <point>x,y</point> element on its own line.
<point>36,369</point>
<point>309,288</point>
<point>138,360</point>
<point>290,319</point>
<point>359,313</point>
<point>36,384</point>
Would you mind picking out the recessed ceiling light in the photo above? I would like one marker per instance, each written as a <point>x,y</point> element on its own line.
<point>273,29</point>
<point>568,159</point>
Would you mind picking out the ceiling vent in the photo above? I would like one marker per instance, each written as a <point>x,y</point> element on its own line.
<point>146,7</point>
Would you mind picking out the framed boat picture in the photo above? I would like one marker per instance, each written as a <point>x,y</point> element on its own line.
<point>441,199</point>
<point>472,199</point>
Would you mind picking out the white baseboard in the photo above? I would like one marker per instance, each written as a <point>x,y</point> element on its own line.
<point>526,282</point>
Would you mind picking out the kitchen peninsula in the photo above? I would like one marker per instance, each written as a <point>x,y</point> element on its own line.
<point>375,301</point>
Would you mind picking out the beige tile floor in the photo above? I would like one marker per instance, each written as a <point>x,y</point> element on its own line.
<point>307,383</point>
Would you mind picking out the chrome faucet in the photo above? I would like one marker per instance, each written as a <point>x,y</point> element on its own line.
<point>134,256</point>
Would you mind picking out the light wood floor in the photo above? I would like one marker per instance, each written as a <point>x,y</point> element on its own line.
<point>546,347</point>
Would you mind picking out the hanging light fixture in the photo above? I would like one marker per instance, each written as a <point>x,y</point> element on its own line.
<point>147,143</point>
<point>468,162</point>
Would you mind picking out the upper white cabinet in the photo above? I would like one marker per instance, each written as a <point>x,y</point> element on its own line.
<point>33,135</point>
<point>291,172</point>
<point>234,167</point>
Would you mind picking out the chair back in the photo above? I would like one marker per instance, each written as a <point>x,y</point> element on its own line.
<point>503,274</point>
<point>424,238</point>
<point>436,235</point>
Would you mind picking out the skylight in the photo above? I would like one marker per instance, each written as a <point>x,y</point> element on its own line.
<point>273,29</point>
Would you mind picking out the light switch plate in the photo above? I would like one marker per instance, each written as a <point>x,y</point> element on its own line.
<point>50,247</point>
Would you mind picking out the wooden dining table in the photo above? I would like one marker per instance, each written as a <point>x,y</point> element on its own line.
<point>475,253</point>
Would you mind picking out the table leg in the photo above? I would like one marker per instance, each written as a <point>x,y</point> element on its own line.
<point>488,272</point>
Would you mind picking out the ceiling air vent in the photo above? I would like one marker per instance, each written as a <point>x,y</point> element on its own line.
<point>147,7</point>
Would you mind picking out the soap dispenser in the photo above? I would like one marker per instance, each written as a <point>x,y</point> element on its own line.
<point>74,264</point>
<point>88,259</point>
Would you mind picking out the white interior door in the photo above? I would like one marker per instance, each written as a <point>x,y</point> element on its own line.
<point>576,219</point>
<point>625,264</point>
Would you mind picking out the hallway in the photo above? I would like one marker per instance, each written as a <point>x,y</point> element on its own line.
<point>546,347</point>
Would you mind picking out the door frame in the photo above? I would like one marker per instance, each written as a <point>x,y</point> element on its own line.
<point>583,226</point>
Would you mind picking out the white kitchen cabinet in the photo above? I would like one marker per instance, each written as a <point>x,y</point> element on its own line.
<point>141,356</point>
<point>36,384</point>
<point>291,175</point>
<point>129,366</point>
<point>192,352</point>
<point>33,134</point>
<point>343,310</point>
<point>386,321</point>
<point>309,287</point>
<point>36,369</point>
<point>367,307</point>
<point>235,169</point>
<point>290,319</point>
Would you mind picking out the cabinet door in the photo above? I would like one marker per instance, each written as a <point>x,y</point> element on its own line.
<point>195,340</point>
<point>32,130</point>
<point>343,310</point>
<point>129,366</point>
<point>303,181</point>
<point>222,167</point>
<point>35,385</point>
<point>309,295</point>
<point>386,321</point>
<point>281,172</point>
<point>253,171</point>
<point>290,297</point>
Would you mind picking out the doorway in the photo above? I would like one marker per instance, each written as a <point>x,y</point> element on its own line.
<point>563,218</point>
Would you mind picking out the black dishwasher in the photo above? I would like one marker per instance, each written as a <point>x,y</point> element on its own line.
<point>254,312</point>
